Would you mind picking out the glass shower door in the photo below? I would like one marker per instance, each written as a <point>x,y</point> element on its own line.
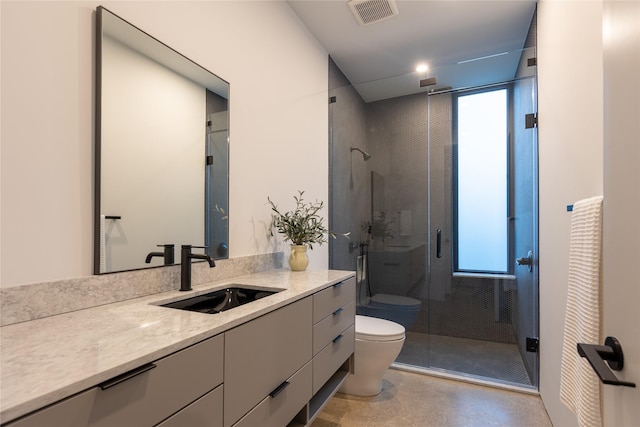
<point>525,224</point>
<point>482,315</point>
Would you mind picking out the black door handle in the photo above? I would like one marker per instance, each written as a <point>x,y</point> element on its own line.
<point>596,355</point>
<point>438,243</point>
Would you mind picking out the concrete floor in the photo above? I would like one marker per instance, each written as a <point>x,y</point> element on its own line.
<point>494,361</point>
<point>409,399</point>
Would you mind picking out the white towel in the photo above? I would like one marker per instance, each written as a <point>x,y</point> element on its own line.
<point>579,384</point>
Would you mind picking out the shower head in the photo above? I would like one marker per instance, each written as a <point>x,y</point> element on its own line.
<point>365,155</point>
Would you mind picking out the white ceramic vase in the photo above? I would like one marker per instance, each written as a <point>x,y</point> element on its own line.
<point>298,260</point>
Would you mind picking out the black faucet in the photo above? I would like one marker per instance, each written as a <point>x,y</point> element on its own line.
<point>167,254</point>
<point>185,265</point>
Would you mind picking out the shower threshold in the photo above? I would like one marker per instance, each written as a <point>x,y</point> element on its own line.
<point>467,378</point>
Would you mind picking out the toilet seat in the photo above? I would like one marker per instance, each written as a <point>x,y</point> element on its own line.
<point>395,301</point>
<point>375,329</point>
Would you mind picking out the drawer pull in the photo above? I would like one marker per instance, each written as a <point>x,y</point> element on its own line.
<point>279,389</point>
<point>337,285</point>
<point>338,311</point>
<point>127,375</point>
<point>338,338</point>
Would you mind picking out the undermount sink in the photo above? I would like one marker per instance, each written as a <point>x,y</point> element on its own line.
<point>219,301</point>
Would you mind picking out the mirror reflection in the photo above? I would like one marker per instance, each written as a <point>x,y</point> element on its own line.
<point>162,140</point>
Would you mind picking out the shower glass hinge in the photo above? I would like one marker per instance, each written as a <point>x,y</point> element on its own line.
<point>530,121</point>
<point>332,99</point>
<point>533,344</point>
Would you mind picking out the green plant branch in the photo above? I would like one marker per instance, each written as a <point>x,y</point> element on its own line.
<point>303,225</point>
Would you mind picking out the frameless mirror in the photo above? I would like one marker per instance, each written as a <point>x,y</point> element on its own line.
<point>162,151</point>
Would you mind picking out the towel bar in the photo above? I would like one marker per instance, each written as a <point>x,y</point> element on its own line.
<point>611,351</point>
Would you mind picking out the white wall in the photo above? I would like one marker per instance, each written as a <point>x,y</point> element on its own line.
<point>570,82</point>
<point>278,114</point>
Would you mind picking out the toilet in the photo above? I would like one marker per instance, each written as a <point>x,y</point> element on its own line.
<point>378,343</point>
<point>396,308</point>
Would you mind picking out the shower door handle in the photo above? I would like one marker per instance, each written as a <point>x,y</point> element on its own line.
<point>438,243</point>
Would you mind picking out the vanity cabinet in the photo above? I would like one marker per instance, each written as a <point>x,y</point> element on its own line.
<point>276,370</point>
<point>147,395</point>
<point>333,341</point>
<point>279,408</point>
<point>261,358</point>
<point>206,411</point>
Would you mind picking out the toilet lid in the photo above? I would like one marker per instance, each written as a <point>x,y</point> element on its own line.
<point>396,300</point>
<point>374,329</point>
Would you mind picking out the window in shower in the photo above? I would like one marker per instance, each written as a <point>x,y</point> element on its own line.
<point>481,225</point>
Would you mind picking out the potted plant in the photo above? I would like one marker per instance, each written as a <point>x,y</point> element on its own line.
<point>302,226</point>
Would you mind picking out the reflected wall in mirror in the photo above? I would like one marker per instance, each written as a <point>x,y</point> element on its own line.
<point>162,151</point>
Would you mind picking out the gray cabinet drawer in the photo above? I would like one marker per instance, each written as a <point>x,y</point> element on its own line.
<point>327,362</point>
<point>332,298</point>
<point>331,326</point>
<point>278,410</point>
<point>144,399</point>
<point>204,412</point>
<point>261,354</point>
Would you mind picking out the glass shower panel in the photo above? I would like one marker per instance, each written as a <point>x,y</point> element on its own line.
<point>524,221</point>
<point>217,186</point>
<point>479,321</point>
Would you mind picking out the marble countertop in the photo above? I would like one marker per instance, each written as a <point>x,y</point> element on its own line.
<point>45,360</point>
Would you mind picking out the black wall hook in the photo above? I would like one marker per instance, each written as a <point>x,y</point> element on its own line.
<point>611,352</point>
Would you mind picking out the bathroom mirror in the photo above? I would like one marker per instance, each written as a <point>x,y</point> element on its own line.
<point>161,154</point>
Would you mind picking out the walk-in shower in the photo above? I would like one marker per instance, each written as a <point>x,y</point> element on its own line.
<point>411,208</point>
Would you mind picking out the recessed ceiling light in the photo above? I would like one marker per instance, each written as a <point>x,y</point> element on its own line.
<point>422,68</point>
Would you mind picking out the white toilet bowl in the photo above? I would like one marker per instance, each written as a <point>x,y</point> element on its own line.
<point>396,308</point>
<point>378,343</point>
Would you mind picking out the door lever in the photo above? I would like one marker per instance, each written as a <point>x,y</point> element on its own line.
<point>596,355</point>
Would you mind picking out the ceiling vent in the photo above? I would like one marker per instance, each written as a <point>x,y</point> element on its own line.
<point>372,11</point>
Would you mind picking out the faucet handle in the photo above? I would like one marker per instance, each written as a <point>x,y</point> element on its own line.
<point>193,247</point>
